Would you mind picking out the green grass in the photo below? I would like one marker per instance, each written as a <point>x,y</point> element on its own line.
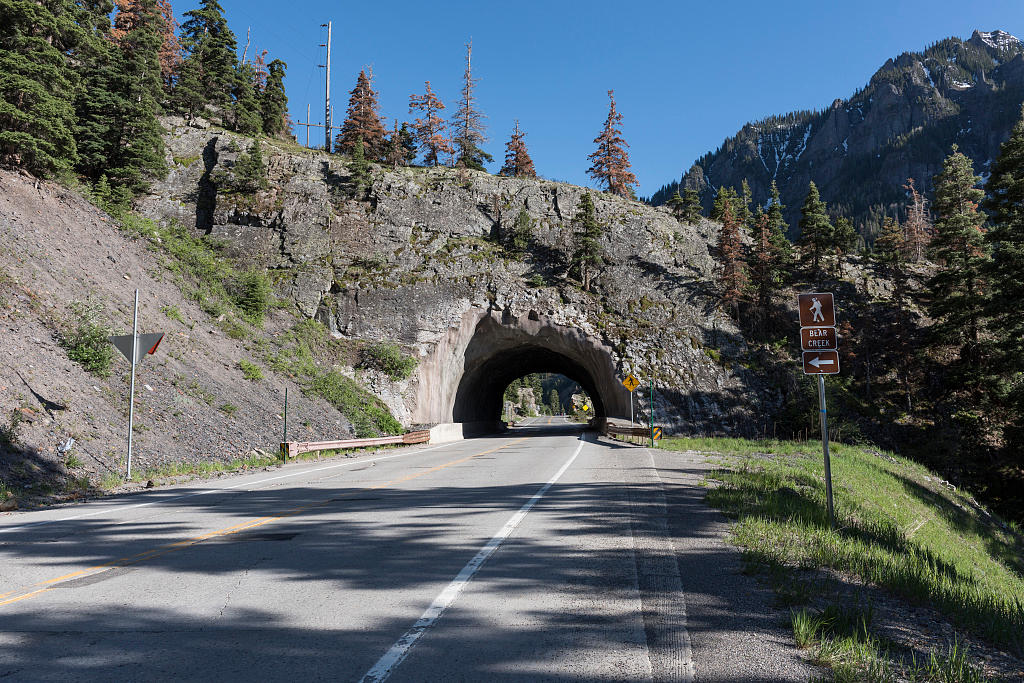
<point>389,359</point>
<point>897,528</point>
<point>229,409</point>
<point>84,338</point>
<point>300,351</point>
<point>250,370</point>
<point>840,638</point>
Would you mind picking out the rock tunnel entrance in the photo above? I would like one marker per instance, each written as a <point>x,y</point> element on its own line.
<point>481,392</point>
<point>464,380</point>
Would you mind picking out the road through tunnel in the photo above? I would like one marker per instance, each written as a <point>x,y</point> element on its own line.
<point>465,378</point>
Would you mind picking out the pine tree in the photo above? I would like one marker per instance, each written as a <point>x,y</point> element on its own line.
<point>815,232</point>
<point>362,121</point>
<point>393,148</point>
<point>117,129</point>
<point>589,255</point>
<point>36,81</point>
<point>273,100</point>
<point>210,65</point>
<point>246,117</point>
<point>957,293</point>
<point>1005,204</point>
<point>730,256</point>
<point>611,168</point>
<point>518,163</point>
<point>429,130</point>
<point>467,125</point>
<point>918,227</point>
<point>779,229</point>
<point>677,205</point>
<point>725,196</point>
<point>844,240</point>
<point>249,170</point>
<point>517,239</point>
<point>408,144</point>
<point>259,70</point>
<point>765,275</point>
<point>743,213</point>
<point>692,207</point>
<point>889,251</point>
<point>360,170</point>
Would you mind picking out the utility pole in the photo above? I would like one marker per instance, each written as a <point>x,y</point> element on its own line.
<point>307,125</point>
<point>327,99</point>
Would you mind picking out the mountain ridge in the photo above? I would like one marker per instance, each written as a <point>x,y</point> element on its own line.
<point>861,150</point>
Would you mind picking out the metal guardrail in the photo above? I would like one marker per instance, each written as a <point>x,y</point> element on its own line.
<point>628,431</point>
<point>291,449</point>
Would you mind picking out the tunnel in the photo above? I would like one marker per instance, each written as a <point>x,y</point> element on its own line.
<point>464,379</point>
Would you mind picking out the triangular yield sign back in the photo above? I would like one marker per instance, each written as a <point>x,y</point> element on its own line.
<point>147,344</point>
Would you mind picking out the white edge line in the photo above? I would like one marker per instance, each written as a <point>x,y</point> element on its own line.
<point>394,656</point>
<point>121,508</point>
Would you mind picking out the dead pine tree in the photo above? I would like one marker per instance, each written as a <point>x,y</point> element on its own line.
<point>611,167</point>
<point>518,163</point>
<point>918,227</point>
<point>430,130</point>
<point>733,277</point>
<point>467,125</point>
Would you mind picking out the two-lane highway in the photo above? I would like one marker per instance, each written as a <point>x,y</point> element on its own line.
<point>539,554</point>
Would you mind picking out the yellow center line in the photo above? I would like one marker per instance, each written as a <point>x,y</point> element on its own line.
<point>49,584</point>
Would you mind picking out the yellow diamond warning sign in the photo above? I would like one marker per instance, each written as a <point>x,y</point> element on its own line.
<point>631,383</point>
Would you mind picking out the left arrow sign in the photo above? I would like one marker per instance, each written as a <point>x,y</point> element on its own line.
<point>147,344</point>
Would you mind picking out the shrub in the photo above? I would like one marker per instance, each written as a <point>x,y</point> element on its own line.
<point>251,293</point>
<point>229,409</point>
<point>250,172</point>
<point>389,359</point>
<point>537,280</point>
<point>85,339</point>
<point>250,370</point>
<point>367,413</point>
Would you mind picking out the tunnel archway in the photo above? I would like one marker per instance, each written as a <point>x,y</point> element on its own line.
<point>481,391</point>
<point>464,379</point>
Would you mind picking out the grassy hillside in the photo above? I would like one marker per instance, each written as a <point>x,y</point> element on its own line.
<point>901,531</point>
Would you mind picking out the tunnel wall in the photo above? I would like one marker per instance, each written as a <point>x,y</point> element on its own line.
<point>463,379</point>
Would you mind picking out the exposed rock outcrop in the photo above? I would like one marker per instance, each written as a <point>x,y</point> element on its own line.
<point>418,260</point>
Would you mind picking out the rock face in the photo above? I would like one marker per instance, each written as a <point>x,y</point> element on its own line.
<point>418,260</point>
<point>861,151</point>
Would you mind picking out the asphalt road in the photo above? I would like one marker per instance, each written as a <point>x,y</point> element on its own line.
<point>542,554</point>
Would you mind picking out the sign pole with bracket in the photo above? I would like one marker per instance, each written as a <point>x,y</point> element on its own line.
<point>652,413</point>
<point>133,347</point>
<point>131,390</point>
<point>824,448</point>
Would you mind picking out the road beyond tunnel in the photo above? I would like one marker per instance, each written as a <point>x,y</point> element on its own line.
<point>465,377</point>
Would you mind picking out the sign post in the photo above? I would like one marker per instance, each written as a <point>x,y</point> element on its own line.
<point>131,391</point>
<point>820,344</point>
<point>134,347</point>
<point>652,413</point>
<point>631,383</point>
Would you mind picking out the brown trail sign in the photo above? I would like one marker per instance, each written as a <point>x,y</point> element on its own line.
<point>818,338</point>
<point>817,309</point>
<point>821,362</point>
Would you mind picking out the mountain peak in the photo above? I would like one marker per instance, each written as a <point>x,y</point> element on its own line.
<point>1000,40</point>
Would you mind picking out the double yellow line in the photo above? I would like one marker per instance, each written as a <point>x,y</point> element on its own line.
<point>43,586</point>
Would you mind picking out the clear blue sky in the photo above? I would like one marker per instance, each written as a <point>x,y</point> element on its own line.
<point>686,75</point>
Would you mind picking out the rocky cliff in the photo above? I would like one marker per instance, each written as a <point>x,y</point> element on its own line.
<point>417,258</point>
<point>860,151</point>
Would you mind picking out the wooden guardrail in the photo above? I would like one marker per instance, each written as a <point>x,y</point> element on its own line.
<point>631,434</point>
<point>291,449</point>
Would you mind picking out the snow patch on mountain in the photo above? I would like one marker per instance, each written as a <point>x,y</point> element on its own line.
<point>1000,40</point>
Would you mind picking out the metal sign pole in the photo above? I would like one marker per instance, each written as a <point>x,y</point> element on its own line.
<point>652,412</point>
<point>285,439</point>
<point>131,390</point>
<point>631,409</point>
<point>824,446</point>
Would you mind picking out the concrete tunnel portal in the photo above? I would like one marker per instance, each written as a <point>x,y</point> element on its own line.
<point>464,379</point>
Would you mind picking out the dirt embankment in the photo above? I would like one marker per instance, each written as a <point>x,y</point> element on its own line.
<point>193,402</point>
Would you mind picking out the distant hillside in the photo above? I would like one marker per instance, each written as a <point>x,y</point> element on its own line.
<point>861,151</point>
